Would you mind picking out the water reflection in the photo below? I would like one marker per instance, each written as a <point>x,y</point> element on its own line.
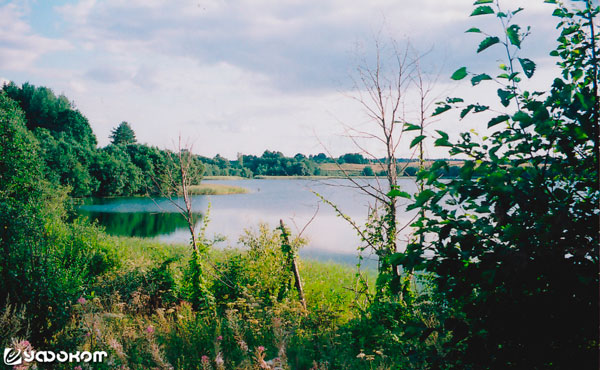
<point>140,224</point>
<point>267,201</point>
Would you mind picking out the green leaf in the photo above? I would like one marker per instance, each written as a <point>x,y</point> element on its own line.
<point>459,74</point>
<point>454,100</point>
<point>523,117</point>
<point>442,142</point>
<point>422,197</point>
<point>478,78</point>
<point>397,193</point>
<point>496,120</point>
<point>559,13</point>
<point>466,111</point>
<point>505,96</point>
<point>482,10</point>
<point>483,2</point>
<point>442,134</point>
<point>474,30</point>
<point>570,30</point>
<point>441,109</point>
<point>417,140</point>
<point>513,35</point>
<point>480,108</point>
<point>487,42</point>
<point>411,127</point>
<point>528,66</point>
<point>580,134</point>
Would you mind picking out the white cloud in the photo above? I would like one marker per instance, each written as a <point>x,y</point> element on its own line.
<point>20,46</point>
<point>243,75</point>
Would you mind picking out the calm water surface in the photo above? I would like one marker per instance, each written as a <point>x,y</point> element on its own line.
<point>329,236</point>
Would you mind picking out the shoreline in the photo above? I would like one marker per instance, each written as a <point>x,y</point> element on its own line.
<point>311,177</point>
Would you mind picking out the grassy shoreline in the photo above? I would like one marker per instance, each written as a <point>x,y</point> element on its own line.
<point>216,189</point>
<point>311,177</point>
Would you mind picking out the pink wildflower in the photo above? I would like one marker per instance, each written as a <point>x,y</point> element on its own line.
<point>205,359</point>
<point>77,368</point>
<point>81,300</point>
<point>150,329</point>
<point>261,348</point>
<point>220,338</point>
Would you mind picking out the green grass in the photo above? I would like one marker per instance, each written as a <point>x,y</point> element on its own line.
<point>332,285</point>
<point>216,189</point>
<point>224,178</point>
<point>326,284</point>
<point>146,253</point>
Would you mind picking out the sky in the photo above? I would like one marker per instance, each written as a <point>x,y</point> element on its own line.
<point>245,76</point>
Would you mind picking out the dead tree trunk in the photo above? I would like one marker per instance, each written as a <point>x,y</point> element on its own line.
<point>287,249</point>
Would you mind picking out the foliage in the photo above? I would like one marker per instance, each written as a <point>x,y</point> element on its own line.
<point>65,136</point>
<point>45,261</point>
<point>368,171</point>
<point>137,315</point>
<point>513,240</point>
<point>123,134</point>
<point>353,158</point>
<point>261,270</point>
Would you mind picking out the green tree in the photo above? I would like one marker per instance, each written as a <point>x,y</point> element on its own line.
<point>355,158</point>
<point>67,141</point>
<point>123,134</point>
<point>513,240</point>
<point>368,171</point>
<point>115,172</point>
<point>44,262</point>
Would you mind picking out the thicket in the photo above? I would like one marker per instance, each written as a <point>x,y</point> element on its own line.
<point>512,243</point>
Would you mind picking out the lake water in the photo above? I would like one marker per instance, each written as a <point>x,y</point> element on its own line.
<point>329,237</point>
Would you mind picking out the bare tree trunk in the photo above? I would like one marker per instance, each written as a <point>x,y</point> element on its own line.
<point>184,167</point>
<point>382,90</point>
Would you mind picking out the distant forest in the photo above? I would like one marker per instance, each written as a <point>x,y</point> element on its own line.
<point>125,167</point>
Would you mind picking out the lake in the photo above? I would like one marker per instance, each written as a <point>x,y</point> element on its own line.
<point>329,237</point>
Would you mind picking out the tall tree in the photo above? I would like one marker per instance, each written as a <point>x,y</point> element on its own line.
<point>123,134</point>
<point>383,92</point>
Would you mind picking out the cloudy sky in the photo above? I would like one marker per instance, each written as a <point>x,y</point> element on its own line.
<point>248,75</point>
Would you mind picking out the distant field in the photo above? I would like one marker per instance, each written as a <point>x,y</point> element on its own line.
<point>333,169</point>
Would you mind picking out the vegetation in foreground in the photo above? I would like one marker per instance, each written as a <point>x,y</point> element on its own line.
<point>502,272</point>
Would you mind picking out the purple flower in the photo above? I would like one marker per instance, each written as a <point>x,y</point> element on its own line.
<point>150,329</point>
<point>77,368</point>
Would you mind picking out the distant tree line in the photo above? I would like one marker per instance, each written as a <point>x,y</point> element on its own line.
<point>72,158</point>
